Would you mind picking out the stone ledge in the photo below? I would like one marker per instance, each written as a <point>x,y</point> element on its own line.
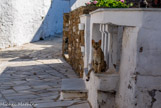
<point>73,89</point>
<point>125,9</point>
<point>76,84</point>
<point>107,82</point>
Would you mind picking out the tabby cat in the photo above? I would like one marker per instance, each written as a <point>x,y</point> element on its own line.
<point>98,63</point>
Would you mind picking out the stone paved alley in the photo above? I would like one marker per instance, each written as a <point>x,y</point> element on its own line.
<point>32,73</point>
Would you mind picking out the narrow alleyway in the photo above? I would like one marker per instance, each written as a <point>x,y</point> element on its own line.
<point>30,76</point>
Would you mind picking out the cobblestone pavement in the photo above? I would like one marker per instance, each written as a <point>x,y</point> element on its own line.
<point>30,76</point>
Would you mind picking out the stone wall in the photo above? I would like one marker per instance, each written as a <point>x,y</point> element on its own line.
<point>75,38</point>
<point>23,21</point>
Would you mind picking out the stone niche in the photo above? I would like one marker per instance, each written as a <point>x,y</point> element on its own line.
<point>111,38</point>
<point>106,84</point>
<point>131,45</point>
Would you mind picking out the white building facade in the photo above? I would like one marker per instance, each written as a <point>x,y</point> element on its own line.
<point>24,21</point>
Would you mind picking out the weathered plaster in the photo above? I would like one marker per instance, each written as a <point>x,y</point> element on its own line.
<point>140,66</point>
<point>126,92</point>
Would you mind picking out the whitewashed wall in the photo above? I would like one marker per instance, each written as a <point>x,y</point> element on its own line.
<point>23,21</point>
<point>77,3</point>
<point>137,83</point>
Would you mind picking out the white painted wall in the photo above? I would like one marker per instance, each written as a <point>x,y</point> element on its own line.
<point>77,3</point>
<point>140,67</point>
<point>125,97</point>
<point>23,21</point>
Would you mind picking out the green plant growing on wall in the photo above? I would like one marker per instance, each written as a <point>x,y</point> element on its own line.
<point>112,4</point>
<point>109,3</point>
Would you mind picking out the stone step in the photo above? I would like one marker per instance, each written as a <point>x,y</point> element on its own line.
<point>107,82</point>
<point>73,89</point>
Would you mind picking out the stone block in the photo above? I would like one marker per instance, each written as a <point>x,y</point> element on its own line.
<point>107,82</point>
<point>73,88</point>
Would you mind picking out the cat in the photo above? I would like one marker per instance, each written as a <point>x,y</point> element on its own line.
<point>98,63</point>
